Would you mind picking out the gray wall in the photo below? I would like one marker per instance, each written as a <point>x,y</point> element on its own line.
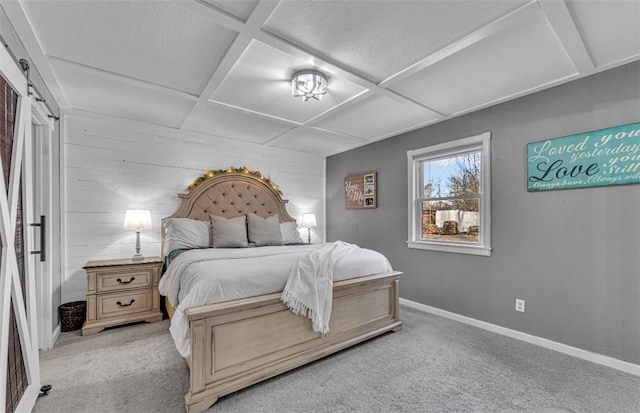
<point>573,255</point>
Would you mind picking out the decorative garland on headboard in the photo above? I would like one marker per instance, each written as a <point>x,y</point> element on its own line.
<point>241,170</point>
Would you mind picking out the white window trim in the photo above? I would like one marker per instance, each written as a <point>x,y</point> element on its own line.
<point>483,247</point>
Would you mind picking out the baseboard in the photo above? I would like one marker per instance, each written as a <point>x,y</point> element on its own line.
<point>539,341</point>
<point>50,341</point>
<point>55,336</point>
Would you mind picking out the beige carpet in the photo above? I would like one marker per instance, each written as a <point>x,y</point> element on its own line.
<point>433,365</point>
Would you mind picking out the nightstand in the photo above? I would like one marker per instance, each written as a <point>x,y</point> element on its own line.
<point>122,291</point>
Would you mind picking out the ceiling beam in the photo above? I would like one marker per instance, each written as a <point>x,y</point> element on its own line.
<point>212,13</point>
<point>253,29</point>
<point>259,15</point>
<point>123,79</point>
<point>513,18</point>
<point>353,99</point>
<point>559,17</point>
<point>144,127</point>
<point>232,55</point>
<point>326,64</point>
<point>273,142</point>
<point>27,36</point>
<point>255,112</point>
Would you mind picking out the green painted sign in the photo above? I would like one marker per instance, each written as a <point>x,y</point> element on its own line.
<point>599,158</point>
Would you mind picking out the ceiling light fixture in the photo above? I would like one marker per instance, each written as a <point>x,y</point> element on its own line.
<point>309,84</point>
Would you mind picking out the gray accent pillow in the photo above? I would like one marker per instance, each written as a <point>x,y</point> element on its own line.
<point>185,233</point>
<point>229,233</point>
<point>264,231</point>
<point>290,234</point>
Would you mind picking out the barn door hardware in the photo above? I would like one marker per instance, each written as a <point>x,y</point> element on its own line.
<point>24,64</point>
<point>44,390</point>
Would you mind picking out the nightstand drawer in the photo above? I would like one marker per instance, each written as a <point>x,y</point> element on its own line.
<point>118,280</point>
<point>130,302</point>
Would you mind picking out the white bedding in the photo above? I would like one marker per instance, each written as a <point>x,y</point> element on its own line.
<point>207,276</point>
<point>309,288</point>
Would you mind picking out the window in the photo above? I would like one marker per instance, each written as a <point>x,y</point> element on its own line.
<point>449,196</point>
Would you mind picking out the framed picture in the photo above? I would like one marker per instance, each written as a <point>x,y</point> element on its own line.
<point>369,190</point>
<point>360,191</point>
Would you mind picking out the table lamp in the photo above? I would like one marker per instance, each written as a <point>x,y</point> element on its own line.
<point>137,219</point>
<point>308,222</point>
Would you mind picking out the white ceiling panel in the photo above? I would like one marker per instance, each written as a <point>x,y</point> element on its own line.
<point>239,8</point>
<point>507,63</point>
<point>375,117</point>
<point>146,40</point>
<point>380,38</point>
<point>232,123</point>
<point>610,29</point>
<point>260,81</point>
<point>91,91</point>
<point>310,140</point>
<point>223,67</point>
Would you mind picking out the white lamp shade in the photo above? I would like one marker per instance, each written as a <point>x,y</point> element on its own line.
<point>137,219</point>
<point>308,221</point>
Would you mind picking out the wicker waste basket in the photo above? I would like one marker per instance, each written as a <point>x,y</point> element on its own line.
<point>72,315</point>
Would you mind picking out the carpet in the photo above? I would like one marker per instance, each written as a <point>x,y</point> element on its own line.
<point>433,365</point>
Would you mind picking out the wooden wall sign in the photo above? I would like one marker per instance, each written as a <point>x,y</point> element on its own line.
<point>598,158</point>
<point>360,191</point>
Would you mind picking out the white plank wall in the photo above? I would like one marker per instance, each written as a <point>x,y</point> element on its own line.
<point>113,165</point>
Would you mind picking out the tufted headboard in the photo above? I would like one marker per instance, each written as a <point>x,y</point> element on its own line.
<point>230,195</point>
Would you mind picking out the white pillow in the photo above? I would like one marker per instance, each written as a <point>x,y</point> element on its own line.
<point>229,233</point>
<point>185,233</point>
<point>290,234</point>
<point>264,231</point>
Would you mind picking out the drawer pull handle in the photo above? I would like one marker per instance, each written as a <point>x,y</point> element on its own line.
<point>126,282</point>
<point>126,305</point>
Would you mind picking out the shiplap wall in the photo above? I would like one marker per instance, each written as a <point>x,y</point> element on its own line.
<point>113,165</point>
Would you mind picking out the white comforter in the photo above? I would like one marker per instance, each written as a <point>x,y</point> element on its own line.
<point>207,276</point>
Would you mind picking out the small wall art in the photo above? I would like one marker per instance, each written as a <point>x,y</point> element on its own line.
<point>360,191</point>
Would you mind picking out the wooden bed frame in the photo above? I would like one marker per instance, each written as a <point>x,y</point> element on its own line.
<point>238,343</point>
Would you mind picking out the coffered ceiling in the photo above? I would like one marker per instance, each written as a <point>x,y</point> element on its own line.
<point>223,67</point>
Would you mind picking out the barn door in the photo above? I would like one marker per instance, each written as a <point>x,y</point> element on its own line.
<point>42,221</point>
<point>19,367</point>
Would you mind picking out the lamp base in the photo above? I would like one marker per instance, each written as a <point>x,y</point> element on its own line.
<point>137,256</point>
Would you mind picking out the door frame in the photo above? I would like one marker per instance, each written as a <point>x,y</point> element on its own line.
<point>10,288</point>
<point>44,271</point>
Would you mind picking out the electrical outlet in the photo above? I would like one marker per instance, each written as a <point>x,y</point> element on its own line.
<point>520,305</point>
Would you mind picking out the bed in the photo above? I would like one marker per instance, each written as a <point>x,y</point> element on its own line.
<point>236,343</point>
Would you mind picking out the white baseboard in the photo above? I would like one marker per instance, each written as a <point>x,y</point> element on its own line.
<point>539,341</point>
<point>50,341</point>
<point>55,336</point>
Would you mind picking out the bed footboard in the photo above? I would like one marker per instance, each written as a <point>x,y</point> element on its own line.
<point>239,343</point>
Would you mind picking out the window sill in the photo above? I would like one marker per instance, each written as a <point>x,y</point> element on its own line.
<point>454,248</point>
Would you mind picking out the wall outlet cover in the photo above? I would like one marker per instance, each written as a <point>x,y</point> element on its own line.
<point>520,305</point>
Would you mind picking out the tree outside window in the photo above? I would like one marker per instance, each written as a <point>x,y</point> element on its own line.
<point>451,198</point>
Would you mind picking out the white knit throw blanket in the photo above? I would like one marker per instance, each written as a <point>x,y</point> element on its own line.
<point>309,289</point>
